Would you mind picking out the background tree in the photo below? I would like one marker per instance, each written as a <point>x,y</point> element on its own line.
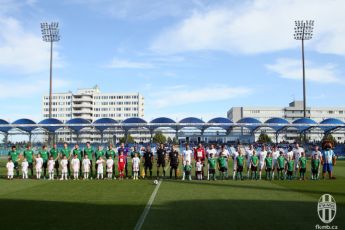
<point>264,138</point>
<point>330,138</point>
<point>169,140</point>
<point>159,138</point>
<point>129,138</point>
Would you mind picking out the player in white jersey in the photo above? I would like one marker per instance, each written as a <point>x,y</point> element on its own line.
<point>99,163</point>
<point>136,164</point>
<point>249,154</point>
<point>86,166</point>
<point>10,169</point>
<point>275,155</point>
<point>25,166</point>
<point>64,168</point>
<point>51,166</point>
<point>234,156</point>
<point>288,155</point>
<point>262,157</point>
<point>187,157</point>
<point>75,166</point>
<point>110,164</point>
<point>39,164</point>
<point>296,155</point>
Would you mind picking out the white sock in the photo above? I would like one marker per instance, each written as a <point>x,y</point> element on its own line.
<point>234,175</point>
<point>260,175</point>
<point>273,175</point>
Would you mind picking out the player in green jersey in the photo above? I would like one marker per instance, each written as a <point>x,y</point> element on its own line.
<point>290,167</point>
<point>188,170</point>
<point>303,166</point>
<point>89,152</point>
<point>99,154</point>
<point>222,167</point>
<point>240,163</point>
<point>315,167</point>
<point>66,151</point>
<point>14,155</point>
<point>54,152</point>
<point>44,155</point>
<point>28,153</point>
<point>268,163</point>
<point>77,152</point>
<point>254,165</point>
<point>212,167</point>
<point>111,153</point>
<point>281,165</point>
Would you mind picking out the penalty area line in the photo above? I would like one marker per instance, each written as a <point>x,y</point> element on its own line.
<point>142,218</point>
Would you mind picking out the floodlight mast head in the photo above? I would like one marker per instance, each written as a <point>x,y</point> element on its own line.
<point>50,32</point>
<point>304,29</point>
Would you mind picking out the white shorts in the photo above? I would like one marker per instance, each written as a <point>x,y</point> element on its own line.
<point>296,164</point>
<point>51,170</point>
<point>75,169</point>
<point>109,170</point>
<point>25,171</point>
<point>136,168</point>
<point>38,170</point>
<point>64,170</point>
<point>185,161</point>
<point>10,173</point>
<point>100,171</point>
<point>235,166</point>
<point>261,165</point>
<point>248,163</point>
<point>86,170</point>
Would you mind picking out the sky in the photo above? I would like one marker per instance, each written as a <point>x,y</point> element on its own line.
<point>187,58</point>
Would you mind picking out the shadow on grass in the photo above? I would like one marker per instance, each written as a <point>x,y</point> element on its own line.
<point>30,214</point>
<point>246,185</point>
<point>237,214</point>
<point>190,214</point>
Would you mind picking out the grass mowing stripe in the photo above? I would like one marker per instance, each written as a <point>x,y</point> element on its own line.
<point>147,208</point>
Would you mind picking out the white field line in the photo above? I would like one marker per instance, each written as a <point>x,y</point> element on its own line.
<point>142,218</point>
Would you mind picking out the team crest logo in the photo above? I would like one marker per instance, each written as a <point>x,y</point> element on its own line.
<point>326,208</point>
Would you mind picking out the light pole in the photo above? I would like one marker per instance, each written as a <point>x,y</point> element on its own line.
<point>304,31</point>
<point>50,33</point>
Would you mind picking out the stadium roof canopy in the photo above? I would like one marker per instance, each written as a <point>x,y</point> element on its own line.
<point>133,122</point>
<point>4,129</point>
<point>50,122</point>
<point>191,122</point>
<point>303,121</point>
<point>273,123</point>
<point>24,124</point>
<point>250,123</point>
<point>224,123</point>
<point>104,123</point>
<point>161,121</point>
<point>333,124</point>
<point>73,124</point>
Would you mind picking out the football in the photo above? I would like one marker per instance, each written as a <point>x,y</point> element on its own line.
<point>155,182</point>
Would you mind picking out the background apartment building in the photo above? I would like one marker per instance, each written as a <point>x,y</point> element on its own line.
<point>91,104</point>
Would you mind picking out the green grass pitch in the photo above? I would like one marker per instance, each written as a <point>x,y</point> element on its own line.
<point>32,204</point>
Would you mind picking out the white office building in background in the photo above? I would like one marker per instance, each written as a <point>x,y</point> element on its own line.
<point>92,104</point>
<point>290,113</point>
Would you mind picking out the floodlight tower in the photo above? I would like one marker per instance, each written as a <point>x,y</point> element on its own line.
<point>50,33</point>
<point>304,31</point>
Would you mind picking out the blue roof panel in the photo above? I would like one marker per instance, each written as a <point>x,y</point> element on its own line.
<point>4,129</point>
<point>76,121</point>
<point>51,121</point>
<point>25,121</point>
<point>104,121</point>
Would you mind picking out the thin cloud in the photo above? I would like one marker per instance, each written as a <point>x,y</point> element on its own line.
<point>257,26</point>
<point>22,51</point>
<point>181,95</point>
<point>126,64</point>
<point>292,69</point>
